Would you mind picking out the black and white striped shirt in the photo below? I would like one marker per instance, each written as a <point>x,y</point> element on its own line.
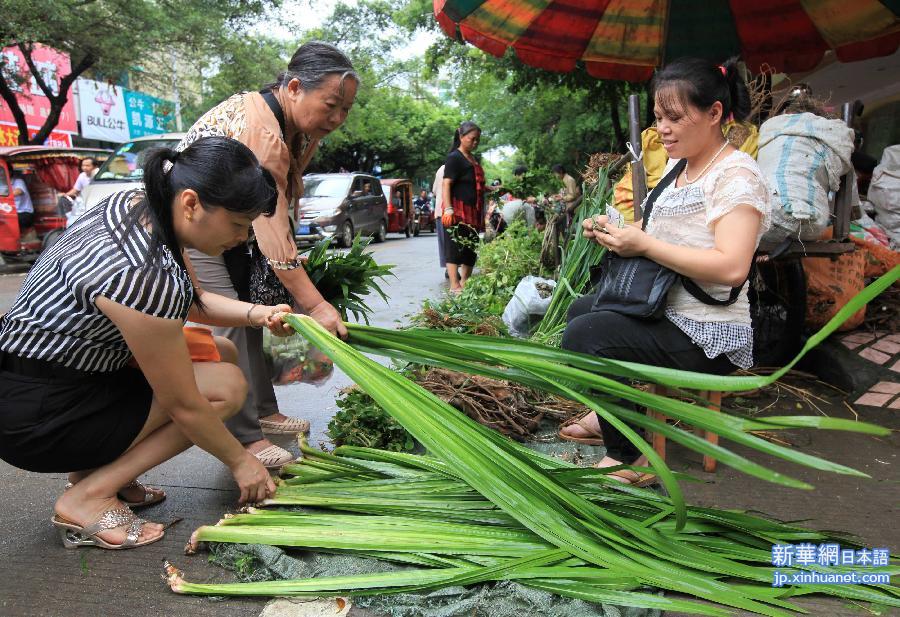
<point>54,317</point>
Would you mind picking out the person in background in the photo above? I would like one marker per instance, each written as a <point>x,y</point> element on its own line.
<point>88,171</point>
<point>706,226</point>
<point>570,192</point>
<point>282,124</point>
<point>438,189</point>
<point>24,207</point>
<point>463,209</point>
<point>422,200</point>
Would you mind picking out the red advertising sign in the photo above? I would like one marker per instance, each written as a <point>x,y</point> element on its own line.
<point>52,65</point>
<point>9,136</point>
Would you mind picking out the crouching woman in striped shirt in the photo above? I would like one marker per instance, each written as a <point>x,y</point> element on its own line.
<point>112,295</point>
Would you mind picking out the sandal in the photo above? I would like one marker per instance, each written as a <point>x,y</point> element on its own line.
<point>151,495</point>
<point>76,536</point>
<point>629,476</point>
<point>274,457</point>
<point>593,438</point>
<point>291,426</point>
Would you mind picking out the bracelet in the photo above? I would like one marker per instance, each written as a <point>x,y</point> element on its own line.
<point>285,265</point>
<point>249,322</point>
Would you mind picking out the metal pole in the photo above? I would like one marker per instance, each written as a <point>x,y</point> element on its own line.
<point>842,201</point>
<point>638,174</point>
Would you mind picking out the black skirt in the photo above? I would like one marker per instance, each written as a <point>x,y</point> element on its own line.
<point>66,420</point>
<point>460,244</point>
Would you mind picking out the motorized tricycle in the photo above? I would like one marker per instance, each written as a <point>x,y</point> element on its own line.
<point>423,218</point>
<point>398,192</point>
<point>48,173</point>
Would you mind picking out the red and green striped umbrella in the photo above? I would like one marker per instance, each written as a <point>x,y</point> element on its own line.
<point>627,39</point>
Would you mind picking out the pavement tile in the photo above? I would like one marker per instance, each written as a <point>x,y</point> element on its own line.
<point>886,387</point>
<point>873,399</point>
<point>886,346</point>
<point>895,404</point>
<point>873,355</point>
<point>859,337</point>
<point>896,367</point>
<point>850,344</point>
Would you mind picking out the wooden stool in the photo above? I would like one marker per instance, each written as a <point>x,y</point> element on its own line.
<point>659,441</point>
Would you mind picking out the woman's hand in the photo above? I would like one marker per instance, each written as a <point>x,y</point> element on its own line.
<point>273,321</point>
<point>593,225</point>
<point>329,318</point>
<point>628,241</point>
<point>253,479</point>
<point>447,217</point>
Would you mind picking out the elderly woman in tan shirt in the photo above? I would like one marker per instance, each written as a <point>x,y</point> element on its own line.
<point>282,124</point>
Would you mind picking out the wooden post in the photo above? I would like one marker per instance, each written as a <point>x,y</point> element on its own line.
<point>638,174</point>
<point>843,199</point>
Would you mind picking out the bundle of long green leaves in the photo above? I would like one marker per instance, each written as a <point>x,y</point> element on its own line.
<point>494,510</point>
<point>579,255</point>
<point>345,278</point>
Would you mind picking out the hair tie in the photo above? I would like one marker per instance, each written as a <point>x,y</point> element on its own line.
<point>724,71</point>
<point>170,161</point>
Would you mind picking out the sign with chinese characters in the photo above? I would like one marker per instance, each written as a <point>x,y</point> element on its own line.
<point>101,109</point>
<point>148,115</point>
<point>51,65</point>
<point>9,136</point>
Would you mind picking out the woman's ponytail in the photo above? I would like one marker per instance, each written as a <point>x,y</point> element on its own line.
<point>739,95</point>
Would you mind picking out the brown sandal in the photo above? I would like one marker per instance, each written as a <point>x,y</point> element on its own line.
<point>593,438</point>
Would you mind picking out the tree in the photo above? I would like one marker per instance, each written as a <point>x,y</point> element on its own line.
<point>108,37</point>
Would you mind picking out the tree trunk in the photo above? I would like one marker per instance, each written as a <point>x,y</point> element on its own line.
<point>613,99</point>
<point>57,101</point>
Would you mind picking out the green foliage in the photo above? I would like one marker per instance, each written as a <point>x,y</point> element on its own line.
<point>345,278</point>
<point>109,37</point>
<point>501,265</point>
<point>363,422</point>
<point>453,314</point>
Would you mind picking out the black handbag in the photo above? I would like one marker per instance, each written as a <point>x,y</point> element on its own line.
<point>638,286</point>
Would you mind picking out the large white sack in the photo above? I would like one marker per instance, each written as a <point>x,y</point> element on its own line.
<point>884,193</point>
<point>803,157</point>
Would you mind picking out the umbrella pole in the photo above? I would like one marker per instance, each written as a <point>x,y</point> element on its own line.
<point>638,174</point>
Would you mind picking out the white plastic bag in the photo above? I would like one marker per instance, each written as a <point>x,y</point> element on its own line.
<point>527,301</point>
<point>884,192</point>
<point>803,157</point>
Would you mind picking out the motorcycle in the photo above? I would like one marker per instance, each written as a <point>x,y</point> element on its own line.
<point>423,219</point>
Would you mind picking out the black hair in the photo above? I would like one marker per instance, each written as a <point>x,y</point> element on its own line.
<point>224,173</point>
<point>91,159</point>
<point>701,83</point>
<point>520,170</point>
<point>312,64</point>
<point>464,129</point>
<point>558,169</point>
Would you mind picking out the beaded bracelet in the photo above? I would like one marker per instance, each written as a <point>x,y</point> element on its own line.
<point>285,265</point>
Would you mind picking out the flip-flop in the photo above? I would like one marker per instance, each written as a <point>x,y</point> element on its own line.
<point>636,479</point>
<point>274,457</point>
<point>593,438</point>
<point>74,535</point>
<point>291,426</point>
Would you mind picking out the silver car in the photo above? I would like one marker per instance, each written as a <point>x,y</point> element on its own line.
<point>122,171</point>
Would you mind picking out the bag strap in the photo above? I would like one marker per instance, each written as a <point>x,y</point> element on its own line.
<point>668,179</point>
<point>275,106</point>
<point>692,288</point>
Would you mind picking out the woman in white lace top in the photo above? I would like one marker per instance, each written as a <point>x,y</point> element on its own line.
<point>705,225</point>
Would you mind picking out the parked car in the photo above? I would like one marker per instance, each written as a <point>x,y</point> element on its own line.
<point>122,171</point>
<point>339,206</point>
<point>48,173</point>
<point>399,195</point>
